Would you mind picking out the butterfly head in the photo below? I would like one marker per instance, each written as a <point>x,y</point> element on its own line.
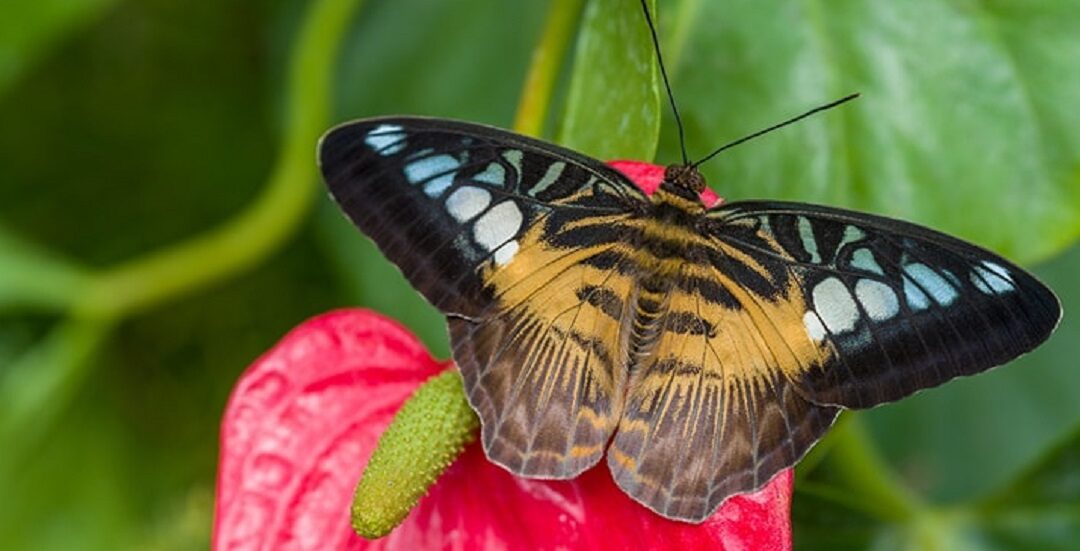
<point>685,177</point>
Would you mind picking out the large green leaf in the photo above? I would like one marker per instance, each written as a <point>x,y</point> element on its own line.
<point>613,104</point>
<point>1041,508</point>
<point>967,120</point>
<point>29,29</point>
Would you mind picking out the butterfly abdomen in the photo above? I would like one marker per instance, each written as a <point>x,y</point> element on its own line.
<point>651,299</point>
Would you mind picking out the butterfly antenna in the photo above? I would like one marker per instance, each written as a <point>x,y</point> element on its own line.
<point>667,83</point>
<point>798,118</point>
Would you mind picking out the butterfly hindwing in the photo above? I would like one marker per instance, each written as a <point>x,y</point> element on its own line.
<point>710,413</point>
<point>512,239</point>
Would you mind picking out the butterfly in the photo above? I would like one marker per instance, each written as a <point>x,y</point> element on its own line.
<point>701,350</point>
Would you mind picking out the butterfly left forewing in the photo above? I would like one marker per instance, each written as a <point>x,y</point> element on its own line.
<point>518,242</point>
<point>443,199</point>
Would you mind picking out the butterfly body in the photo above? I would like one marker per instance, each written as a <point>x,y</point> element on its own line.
<point>702,349</point>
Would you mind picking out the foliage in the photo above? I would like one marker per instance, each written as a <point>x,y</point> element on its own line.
<point>131,127</point>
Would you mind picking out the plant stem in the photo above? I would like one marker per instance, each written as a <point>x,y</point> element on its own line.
<point>271,219</point>
<point>544,68</point>
<point>32,277</point>
<point>37,387</point>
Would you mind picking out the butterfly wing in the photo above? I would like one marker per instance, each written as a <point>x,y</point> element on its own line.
<point>489,226</point>
<point>900,307</point>
<point>782,313</point>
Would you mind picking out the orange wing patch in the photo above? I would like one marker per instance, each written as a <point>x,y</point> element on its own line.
<point>545,370</point>
<point>712,412</point>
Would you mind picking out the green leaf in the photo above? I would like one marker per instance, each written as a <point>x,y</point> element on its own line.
<point>1041,508</point>
<point>967,120</point>
<point>29,29</point>
<point>613,102</point>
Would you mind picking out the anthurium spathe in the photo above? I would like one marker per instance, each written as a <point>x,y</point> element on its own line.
<point>305,419</point>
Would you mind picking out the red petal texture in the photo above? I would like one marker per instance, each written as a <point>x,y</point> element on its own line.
<point>648,177</point>
<point>304,419</point>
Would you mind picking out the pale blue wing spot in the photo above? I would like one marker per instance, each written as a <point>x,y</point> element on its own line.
<point>851,235</point>
<point>863,259</point>
<point>936,286</point>
<point>386,139</point>
<point>514,156</point>
<point>991,278</point>
<point>914,296</point>
<point>552,174</point>
<point>806,232</point>
<point>494,174</point>
<point>765,227</point>
<point>437,171</point>
<point>436,187</point>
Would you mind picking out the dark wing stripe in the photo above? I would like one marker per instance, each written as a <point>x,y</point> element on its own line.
<point>393,177</point>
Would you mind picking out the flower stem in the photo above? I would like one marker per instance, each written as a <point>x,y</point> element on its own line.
<point>428,433</point>
<point>544,69</point>
<point>431,429</point>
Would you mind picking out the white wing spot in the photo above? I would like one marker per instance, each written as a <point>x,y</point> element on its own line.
<point>506,253</point>
<point>466,202</point>
<point>992,278</point>
<point>932,283</point>
<point>437,170</point>
<point>835,306</point>
<point>813,326</point>
<point>877,299</point>
<point>386,139</point>
<point>498,225</point>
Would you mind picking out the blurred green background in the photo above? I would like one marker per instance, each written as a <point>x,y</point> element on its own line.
<point>161,223</point>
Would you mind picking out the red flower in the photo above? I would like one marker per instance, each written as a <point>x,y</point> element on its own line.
<point>304,419</point>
